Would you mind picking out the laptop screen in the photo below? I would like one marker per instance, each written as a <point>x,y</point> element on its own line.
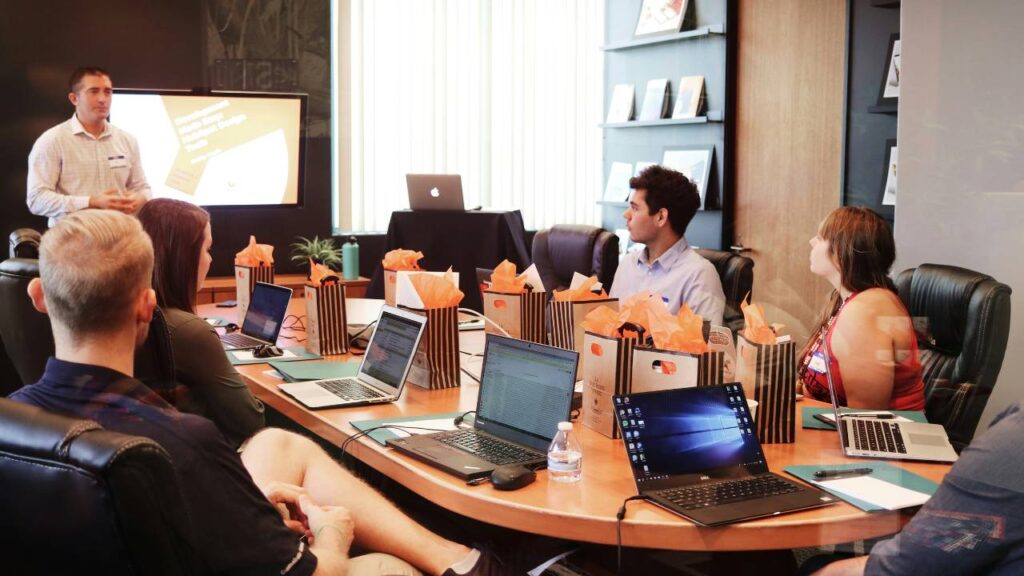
<point>267,308</point>
<point>525,390</point>
<point>391,348</point>
<point>689,433</point>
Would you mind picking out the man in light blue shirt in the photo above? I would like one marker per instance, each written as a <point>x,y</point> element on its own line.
<point>662,206</point>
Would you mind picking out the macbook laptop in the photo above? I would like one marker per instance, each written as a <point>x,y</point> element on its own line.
<point>525,391</point>
<point>267,309</point>
<point>382,372</point>
<point>695,452</point>
<point>871,437</point>
<point>435,191</point>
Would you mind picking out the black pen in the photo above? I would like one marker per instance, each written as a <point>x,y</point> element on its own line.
<point>842,473</point>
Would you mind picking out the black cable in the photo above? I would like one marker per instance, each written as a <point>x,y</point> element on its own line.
<point>618,530</point>
<point>461,417</point>
<point>470,374</point>
<point>297,323</point>
<point>361,433</point>
<point>355,349</point>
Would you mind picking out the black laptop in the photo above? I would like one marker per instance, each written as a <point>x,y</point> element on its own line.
<point>263,320</point>
<point>525,391</point>
<point>695,452</point>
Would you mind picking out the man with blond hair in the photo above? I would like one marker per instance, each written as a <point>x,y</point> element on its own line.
<point>95,270</point>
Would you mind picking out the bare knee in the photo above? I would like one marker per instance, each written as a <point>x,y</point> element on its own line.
<point>276,454</point>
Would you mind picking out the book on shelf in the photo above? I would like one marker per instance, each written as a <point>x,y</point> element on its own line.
<point>622,106</point>
<point>617,189</point>
<point>690,101</point>
<point>656,100</point>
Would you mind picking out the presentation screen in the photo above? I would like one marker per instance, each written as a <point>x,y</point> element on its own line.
<point>218,148</point>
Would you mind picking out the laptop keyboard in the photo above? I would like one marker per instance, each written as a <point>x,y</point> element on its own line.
<point>239,340</point>
<point>878,436</point>
<point>350,389</point>
<point>490,449</point>
<point>706,495</point>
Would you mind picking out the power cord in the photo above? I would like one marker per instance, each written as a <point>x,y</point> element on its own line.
<point>618,530</point>
<point>472,312</point>
<point>297,323</point>
<point>461,417</point>
<point>361,433</point>
<point>353,347</point>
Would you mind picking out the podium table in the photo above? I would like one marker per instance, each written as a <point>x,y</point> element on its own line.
<point>463,240</point>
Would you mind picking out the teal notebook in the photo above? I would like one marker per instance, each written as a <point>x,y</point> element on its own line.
<point>880,470</point>
<point>300,354</point>
<point>382,435</point>
<point>811,422</point>
<point>300,371</point>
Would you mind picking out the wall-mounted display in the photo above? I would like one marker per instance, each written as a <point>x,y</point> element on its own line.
<point>622,106</point>
<point>660,17</point>
<point>889,93</point>
<point>656,100</point>
<point>694,162</point>
<point>690,100</point>
<point>889,189</point>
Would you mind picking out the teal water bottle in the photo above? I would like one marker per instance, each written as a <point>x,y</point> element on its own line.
<point>350,259</point>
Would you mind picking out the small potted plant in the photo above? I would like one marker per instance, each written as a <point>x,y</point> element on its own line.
<point>321,251</point>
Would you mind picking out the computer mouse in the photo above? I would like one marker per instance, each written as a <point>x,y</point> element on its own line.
<point>267,351</point>
<point>512,477</point>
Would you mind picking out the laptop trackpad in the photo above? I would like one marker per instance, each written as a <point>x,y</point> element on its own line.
<point>926,440</point>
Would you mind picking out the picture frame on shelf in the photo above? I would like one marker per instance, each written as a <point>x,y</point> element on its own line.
<point>659,17</point>
<point>617,189</point>
<point>889,177</point>
<point>889,92</point>
<point>690,101</point>
<point>622,105</point>
<point>694,162</point>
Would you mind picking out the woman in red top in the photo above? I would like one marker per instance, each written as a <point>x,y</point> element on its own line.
<point>867,331</point>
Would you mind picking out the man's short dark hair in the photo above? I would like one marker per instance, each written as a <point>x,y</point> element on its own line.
<point>79,73</point>
<point>668,189</point>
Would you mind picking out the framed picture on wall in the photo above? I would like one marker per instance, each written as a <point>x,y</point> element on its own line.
<point>694,162</point>
<point>889,93</point>
<point>660,17</point>
<point>889,179</point>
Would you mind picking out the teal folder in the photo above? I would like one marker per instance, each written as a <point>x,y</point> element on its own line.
<point>300,371</point>
<point>382,435</point>
<point>880,470</point>
<point>300,354</point>
<point>811,422</point>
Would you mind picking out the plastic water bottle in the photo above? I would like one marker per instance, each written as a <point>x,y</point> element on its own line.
<point>565,459</point>
<point>350,259</point>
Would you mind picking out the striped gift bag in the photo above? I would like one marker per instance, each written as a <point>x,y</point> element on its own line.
<point>768,375</point>
<point>326,327</point>
<point>246,278</point>
<point>436,363</point>
<point>655,370</point>
<point>567,323</point>
<point>608,371</point>
<point>521,315</point>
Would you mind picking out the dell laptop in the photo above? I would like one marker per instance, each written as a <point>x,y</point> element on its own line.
<point>525,391</point>
<point>695,452</point>
<point>267,309</point>
<point>870,437</point>
<point>382,372</point>
<point>435,192</point>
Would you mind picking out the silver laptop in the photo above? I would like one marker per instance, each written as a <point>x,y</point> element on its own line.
<point>382,372</point>
<point>435,192</point>
<point>873,437</point>
<point>263,319</point>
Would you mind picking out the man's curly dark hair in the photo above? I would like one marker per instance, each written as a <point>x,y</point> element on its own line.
<point>668,189</point>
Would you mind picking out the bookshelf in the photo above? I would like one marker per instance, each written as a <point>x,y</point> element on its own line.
<point>706,48</point>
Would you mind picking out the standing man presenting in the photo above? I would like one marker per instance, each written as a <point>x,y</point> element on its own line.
<point>663,204</point>
<point>86,162</point>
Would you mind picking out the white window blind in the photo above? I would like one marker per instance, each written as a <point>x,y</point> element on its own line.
<point>507,93</point>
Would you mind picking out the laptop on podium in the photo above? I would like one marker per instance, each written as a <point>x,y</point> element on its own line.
<point>525,391</point>
<point>435,192</point>
<point>695,452</point>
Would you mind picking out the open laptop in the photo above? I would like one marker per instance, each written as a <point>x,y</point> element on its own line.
<point>382,372</point>
<point>525,391</point>
<point>435,192</point>
<point>695,452</point>
<point>871,437</point>
<point>267,309</point>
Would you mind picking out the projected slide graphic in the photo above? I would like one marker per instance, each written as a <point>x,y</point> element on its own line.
<point>216,150</point>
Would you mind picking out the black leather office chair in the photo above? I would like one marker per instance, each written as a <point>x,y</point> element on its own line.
<point>28,339</point>
<point>566,248</point>
<point>962,344</point>
<point>737,275</point>
<point>79,499</point>
<point>24,243</point>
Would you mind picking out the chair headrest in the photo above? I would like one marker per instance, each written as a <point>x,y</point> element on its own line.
<point>20,268</point>
<point>937,291</point>
<point>24,243</point>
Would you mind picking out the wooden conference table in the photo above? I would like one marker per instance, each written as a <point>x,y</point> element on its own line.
<point>583,511</point>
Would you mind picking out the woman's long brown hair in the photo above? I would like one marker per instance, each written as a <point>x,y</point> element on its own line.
<point>177,230</point>
<point>863,247</point>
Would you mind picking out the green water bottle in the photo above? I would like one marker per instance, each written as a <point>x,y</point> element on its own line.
<point>350,259</point>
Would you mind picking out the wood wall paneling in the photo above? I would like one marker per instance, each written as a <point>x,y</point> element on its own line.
<point>789,106</point>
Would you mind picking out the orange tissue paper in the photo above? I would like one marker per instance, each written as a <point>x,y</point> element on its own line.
<point>319,272</point>
<point>681,333</point>
<point>757,329</point>
<point>435,291</point>
<point>582,293</point>
<point>402,259</point>
<point>255,255</point>
<point>504,279</point>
